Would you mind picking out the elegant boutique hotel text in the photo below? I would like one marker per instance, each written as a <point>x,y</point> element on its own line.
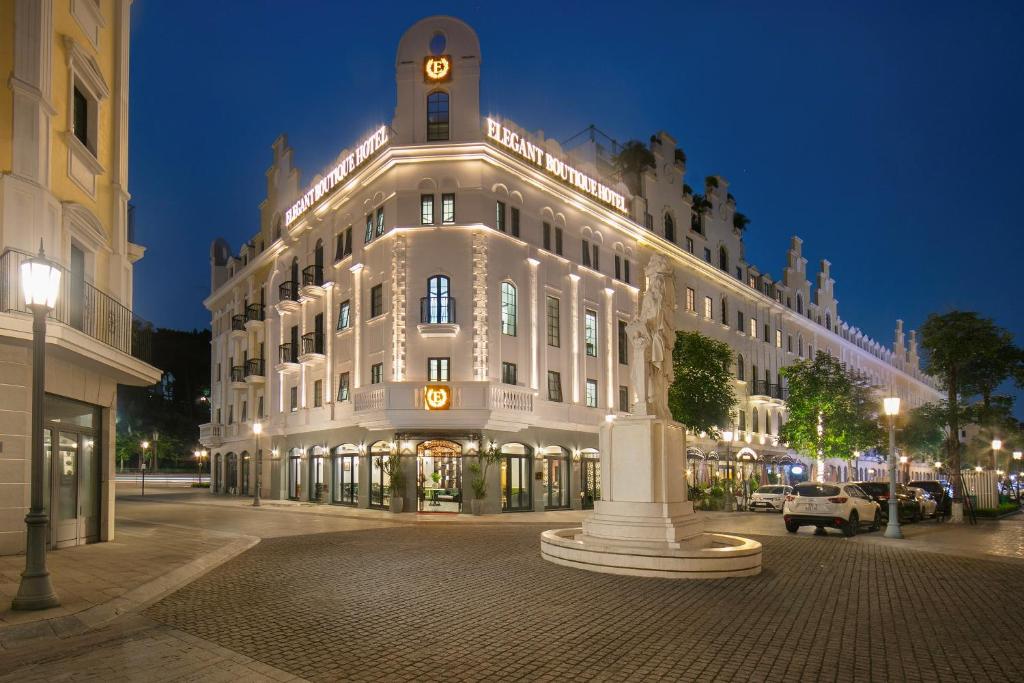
<point>511,140</point>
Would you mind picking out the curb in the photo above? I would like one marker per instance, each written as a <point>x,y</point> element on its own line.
<point>136,599</point>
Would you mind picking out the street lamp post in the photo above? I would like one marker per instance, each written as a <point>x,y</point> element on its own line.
<point>40,281</point>
<point>892,409</point>
<point>996,445</point>
<point>145,445</point>
<point>257,429</point>
<point>904,467</point>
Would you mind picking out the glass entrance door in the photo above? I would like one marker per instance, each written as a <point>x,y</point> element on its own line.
<point>316,478</point>
<point>380,483</point>
<point>590,469</point>
<point>294,477</point>
<point>231,479</point>
<point>439,476</point>
<point>245,474</point>
<point>65,517</point>
<point>516,471</point>
<point>346,479</point>
<point>556,481</point>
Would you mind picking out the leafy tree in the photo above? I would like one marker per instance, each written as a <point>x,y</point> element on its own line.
<point>924,431</point>
<point>824,393</point>
<point>701,396</point>
<point>740,221</point>
<point>631,161</point>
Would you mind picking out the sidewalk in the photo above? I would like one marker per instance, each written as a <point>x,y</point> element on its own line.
<point>100,581</point>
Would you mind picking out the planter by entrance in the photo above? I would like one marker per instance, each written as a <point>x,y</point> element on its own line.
<point>476,506</point>
<point>396,504</point>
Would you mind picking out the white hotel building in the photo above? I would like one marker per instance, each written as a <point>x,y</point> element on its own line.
<point>456,260</point>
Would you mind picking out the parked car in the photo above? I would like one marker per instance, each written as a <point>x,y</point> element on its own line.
<point>925,502</point>
<point>879,492</point>
<point>840,506</point>
<point>940,492</point>
<point>770,498</point>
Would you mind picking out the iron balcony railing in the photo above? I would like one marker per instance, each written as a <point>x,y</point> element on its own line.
<point>313,342</point>
<point>253,312</point>
<point>437,310</point>
<point>761,388</point>
<point>288,353</point>
<point>238,322</point>
<point>254,366</point>
<point>312,275</point>
<point>237,373</point>
<point>289,291</point>
<point>81,306</point>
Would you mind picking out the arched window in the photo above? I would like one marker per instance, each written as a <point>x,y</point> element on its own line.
<point>437,305</point>
<point>725,311</point>
<point>670,228</point>
<point>277,228</point>
<point>723,259</point>
<point>799,302</point>
<point>753,421</point>
<point>739,366</point>
<point>437,116</point>
<point>508,309</point>
<point>318,254</point>
<point>828,321</point>
<point>295,269</point>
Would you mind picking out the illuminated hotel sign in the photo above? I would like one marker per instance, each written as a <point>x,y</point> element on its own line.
<point>513,141</point>
<point>437,69</point>
<point>366,149</point>
<point>437,397</point>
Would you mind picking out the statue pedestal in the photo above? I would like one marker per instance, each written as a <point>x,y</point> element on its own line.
<point>644,525</point>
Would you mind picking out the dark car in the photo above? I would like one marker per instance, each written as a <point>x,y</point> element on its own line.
<point>940,491</point>
<point>910,511</point>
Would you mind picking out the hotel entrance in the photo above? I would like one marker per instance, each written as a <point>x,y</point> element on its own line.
<point>590,478</point>
<point>516,478</point>
<point>71,485</point>
<point>439,476</point>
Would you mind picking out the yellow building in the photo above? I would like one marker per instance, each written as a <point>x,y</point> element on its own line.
<point>64,183</point>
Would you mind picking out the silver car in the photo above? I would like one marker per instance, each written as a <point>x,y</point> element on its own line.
<point>770,498</point>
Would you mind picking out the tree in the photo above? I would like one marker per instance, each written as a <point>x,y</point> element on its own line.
<point>970,355</point>
<point>740,221</point>
<point>833,412</point>
<point>701,396</point>
<point>631,161</point>
<point>924,431</point>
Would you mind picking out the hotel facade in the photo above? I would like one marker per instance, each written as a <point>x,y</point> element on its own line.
<point>453,282</point>
<point>64,184</point>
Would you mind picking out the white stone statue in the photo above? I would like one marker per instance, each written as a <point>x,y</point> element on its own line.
<point>652,335</point>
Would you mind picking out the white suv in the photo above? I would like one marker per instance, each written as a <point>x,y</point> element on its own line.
<point>770,498</point>
<point>841,506</point>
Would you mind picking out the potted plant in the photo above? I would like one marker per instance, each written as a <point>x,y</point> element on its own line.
<point>393,468</point>
<point>484,459</point>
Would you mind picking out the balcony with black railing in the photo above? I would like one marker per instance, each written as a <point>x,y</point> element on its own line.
<point>312,276</point>
<point>254,368</point>
<point>254,313</point>
<point>437,310</point>
<point>288,291</point>
<point>313,343</point>
<point>288,353</point>
<point>760,387</point>
<point>81,306</point>
<point>238,323</point>
<point>237,373</point>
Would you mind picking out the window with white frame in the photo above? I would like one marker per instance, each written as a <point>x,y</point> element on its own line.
<point>590,332</point>
<point>508,309</point>
<point>591,394</point>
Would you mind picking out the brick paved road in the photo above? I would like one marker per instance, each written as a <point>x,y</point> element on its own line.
<point>457,602</point>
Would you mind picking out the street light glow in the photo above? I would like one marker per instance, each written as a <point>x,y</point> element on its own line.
<point>257,428</point>
<point>891,405</point>
<point>40,280</point>
<point>145,445</point>
<point>997,444</point>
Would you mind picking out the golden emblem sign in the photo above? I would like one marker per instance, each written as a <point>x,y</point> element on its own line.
<point>437,397</point>
<point>437,68</point>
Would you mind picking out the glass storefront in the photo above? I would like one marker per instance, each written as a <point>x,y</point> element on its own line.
<point>380,480</point>
<point>516,478</point>
<point>439,476</point>
<point>557,466</point>
<point>317,489</point>
<point>294,475</point>
<point>72,455</point>
<point>345,475</point>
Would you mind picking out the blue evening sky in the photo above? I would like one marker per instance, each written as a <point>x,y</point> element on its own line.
<point>886,134</point>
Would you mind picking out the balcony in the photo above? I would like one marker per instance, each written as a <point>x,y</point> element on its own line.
<point>80,306</point>
<point>287,358</point>
<point>238,325</point>
<point>313,280</point>
<point>760,390</point>
<point>254,315</point>
<point>312,347</point>
<point>437,317</point>
<point>210,435</point>
<point>485,404</point>
<point>778,393</point>
<point>288,296</point>
<point>254,371</point>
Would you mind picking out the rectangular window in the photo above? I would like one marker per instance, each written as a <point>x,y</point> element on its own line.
<point>376,300</point>
<point>554,322</point>
<point>778,339</point>
<point>585,254</point>
<point>448,209</point>
<point>739,321</point>
<point>259,407</point>
<point>508,309</point>
<point>231,413</point>
<point>438,369</point>
<point>554,386</point>
<point>690,300</point>
<point>380,221</point>
<point>220,372</point>
<point>739,273</point>
<point>626,271</point>
<point>618,267</point>
<point>546,234</point>
<point>590,332</point>
<point>344,247</point>
<point>591,393</point>
<point>753,328</point>
<point>376,373</point>
<point>709,310</point>
<point>369,228</point>
<point>426,209</point>
<point>689,244</point>
<point>789,343</point>
<point>515,222</point>
<point>558,241</point>
<point>344,315</point>
<point>751,282</point>
<point>767,333</point>
<point>318,393</point>
<point>624,399</point>
<point>595,262</point>
<point>293,396</point>
<point>218,415</point>
<point>499,216</point>
<point>81,123</point>
<point>508,373</point>
<point>623,347</point>
<point>343,387</point>
<point>707,254</point>
<point>245,411</point>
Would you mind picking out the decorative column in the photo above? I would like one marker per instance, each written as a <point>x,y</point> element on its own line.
<point>609,346</point>
<point>357,324</point>
<point>398,309</point>
<point>534,336</point>
<point>480,306</point>
<point>574,316</point>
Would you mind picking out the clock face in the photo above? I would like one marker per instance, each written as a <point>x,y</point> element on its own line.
<point>437,69</point>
